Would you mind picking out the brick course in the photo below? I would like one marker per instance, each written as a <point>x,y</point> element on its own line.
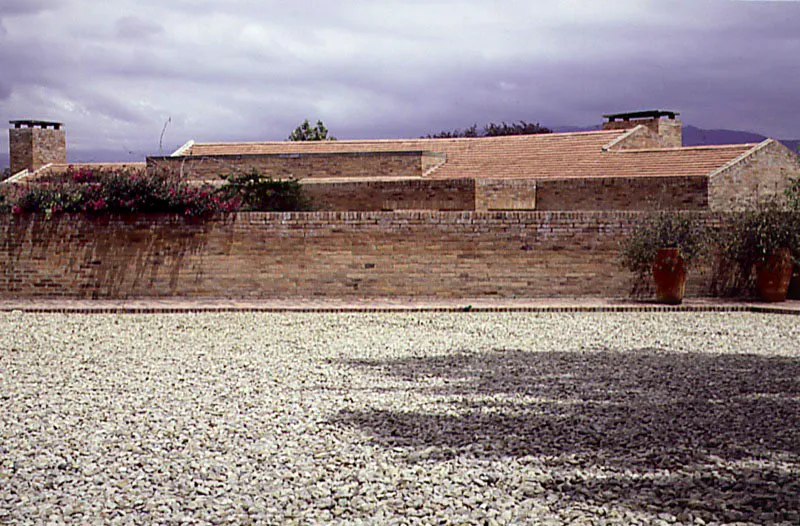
<point>321,254</point>
<point>623,193</point>
<point>422,194</point>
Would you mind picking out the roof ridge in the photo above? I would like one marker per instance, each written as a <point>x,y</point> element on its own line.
<point>690,148</point>
<point>97,163</point>
<point>465,139</point>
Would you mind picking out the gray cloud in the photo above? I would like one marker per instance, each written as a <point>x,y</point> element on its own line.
<point>250,70</point>
<point>137,28</point>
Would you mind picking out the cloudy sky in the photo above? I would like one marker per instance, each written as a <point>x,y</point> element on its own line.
<point>115,72</point>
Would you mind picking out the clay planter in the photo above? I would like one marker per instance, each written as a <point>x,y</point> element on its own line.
<point>773,276</point>
<point>669,273</point>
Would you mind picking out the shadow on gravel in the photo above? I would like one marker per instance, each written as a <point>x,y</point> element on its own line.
<point>727,427</point>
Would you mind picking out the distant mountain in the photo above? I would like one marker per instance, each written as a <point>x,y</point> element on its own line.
<point>693,136</point>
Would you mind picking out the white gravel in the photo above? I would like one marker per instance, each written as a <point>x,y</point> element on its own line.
<point>652,418</point>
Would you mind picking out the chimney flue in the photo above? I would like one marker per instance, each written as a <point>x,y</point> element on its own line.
<point>665,125</point>
<point>34,144</point>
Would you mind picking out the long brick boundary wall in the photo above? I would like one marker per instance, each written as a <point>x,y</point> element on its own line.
<point>320,254</point>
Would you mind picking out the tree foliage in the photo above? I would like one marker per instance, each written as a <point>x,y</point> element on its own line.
<point>663,229</point>
<point>515,128</point>
<point>306,132</point>
<point>254,191</point>
<point>493,130</point>
<point>472,131</point>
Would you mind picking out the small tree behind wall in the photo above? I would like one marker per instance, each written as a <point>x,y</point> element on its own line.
<point>306,132</point>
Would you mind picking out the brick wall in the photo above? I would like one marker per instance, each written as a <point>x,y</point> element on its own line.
<point>623,193</point>
<point>505,194</point>
<point>333,254</point>
<point>32,148</point>
<point>333,165</point>
<point>419,194</point>
<point>763,173</point>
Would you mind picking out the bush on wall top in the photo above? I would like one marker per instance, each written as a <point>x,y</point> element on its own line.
<point>97,191</point>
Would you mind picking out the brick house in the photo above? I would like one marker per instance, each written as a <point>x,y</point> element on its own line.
<point>636,162</point>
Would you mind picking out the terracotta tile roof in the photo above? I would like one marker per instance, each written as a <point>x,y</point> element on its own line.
<point>700,160</point>
<point>554,155</point>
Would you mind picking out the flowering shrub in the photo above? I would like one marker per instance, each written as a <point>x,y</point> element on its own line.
<point>88,190</point>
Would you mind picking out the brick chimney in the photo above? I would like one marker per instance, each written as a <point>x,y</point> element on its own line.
<point>664,124</point>
<point>33,144</point>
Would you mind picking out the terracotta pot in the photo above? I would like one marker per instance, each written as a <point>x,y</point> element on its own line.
<point>773,276</point>
<point>669,272</point>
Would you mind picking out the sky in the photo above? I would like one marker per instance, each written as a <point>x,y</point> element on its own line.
<point>138,77</point>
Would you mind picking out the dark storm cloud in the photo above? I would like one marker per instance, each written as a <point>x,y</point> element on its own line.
<point>247,69</point>
<point>25,7</point>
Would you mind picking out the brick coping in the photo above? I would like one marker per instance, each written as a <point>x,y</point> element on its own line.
<point>386,305</point>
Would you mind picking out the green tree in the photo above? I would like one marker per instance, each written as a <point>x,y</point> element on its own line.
<point>515,128</point>
<point>305,132</point>
<point>492,130</point>
<point>472,131</point>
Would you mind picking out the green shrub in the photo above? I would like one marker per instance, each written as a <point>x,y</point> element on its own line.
<point>664,229</point>
<point>793,194</point>
<point>748,238</point>
<point>254,191</point>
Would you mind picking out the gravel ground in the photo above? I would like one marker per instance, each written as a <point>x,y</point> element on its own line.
<point>473,418</point>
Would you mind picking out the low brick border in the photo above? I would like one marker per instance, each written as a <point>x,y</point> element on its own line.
<point>759,309</point>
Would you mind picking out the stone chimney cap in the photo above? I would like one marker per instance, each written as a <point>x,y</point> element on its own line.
<point>649,114</point>
<point>36,124</point>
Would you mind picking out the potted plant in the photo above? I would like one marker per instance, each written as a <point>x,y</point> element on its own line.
<point>762,242</point>
<point>664,245</point>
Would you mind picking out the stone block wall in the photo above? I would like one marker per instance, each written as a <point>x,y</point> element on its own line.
<point>322,254</point>
<point>418,194</point>
<point>32,148</point>
<point>317,166</point>
<point>763,173</point>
